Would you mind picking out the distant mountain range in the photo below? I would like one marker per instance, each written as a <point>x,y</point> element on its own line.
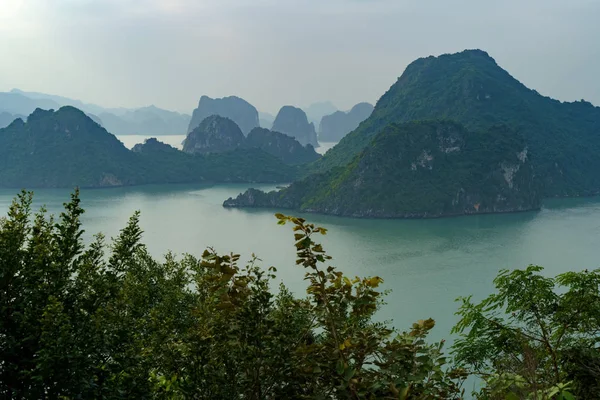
<point>515,146</point>
<point>66,148</point>
<point>217,134</point>
<point>455,134</point>
<point>151,120</point>
<point>335,126</point>
<point>236,109</point>
<point>265,120</point>
<point>316,111</point>
<point>119,121</point>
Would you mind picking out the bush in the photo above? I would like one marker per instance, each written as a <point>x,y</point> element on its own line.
<point>80,323</point>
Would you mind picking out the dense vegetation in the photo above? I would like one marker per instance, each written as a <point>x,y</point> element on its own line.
<point>535,337</point>
<point>418,169</point>
<point>170,165</point>
<point>282,146</point>
<point>470,88</point>
<point>215,134</point>
<point>66,148</point>
<point>98,321</point>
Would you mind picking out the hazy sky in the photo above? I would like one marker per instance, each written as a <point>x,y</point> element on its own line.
<point>274,52</point>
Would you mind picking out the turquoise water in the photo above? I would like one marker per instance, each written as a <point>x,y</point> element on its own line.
<point>426,263</point>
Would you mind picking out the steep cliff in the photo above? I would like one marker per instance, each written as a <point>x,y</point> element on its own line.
<point>293,122</point>
<point>236,109</point>
<point>335,126</point>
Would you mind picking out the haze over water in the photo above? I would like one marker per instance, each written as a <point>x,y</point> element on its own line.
<point>426,263</point>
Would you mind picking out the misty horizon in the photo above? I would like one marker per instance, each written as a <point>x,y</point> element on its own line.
<point>170,53</point>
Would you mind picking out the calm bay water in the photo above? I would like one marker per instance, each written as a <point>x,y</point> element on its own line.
<point>426,263</point>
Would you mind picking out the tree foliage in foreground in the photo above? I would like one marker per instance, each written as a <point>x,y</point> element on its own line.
<point>536,338</point>
<point>110,321</point>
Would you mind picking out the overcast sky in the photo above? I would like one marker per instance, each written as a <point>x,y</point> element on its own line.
<point>274,52</point>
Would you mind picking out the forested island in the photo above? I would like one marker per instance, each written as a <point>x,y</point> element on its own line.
<point>66,148</point>
<point>418,170</point>
<point>514,148</point>
<point>393,166</point>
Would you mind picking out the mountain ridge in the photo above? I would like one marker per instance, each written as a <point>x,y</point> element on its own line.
<point>418,169</point>
<point>471,88</point>
<point>66,148</point>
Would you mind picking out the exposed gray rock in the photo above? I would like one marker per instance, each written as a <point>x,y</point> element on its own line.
<point>236,109</point>
<point>293,122</point>
<point>337,125</point>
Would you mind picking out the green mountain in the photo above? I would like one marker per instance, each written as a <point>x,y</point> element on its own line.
<point>219,135</point>
<point>470,88</point>
<point>282,146</point>
<point>63,148</point>
<point>418,170</point>
<point>66,148</point>
<point>238,110</point>
<point>215,134</point>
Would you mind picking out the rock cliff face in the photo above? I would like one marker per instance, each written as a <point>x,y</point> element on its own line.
<point>215,134</point>
<point>337,125</point>
<point>282,146</point>
<point>293,122</point>
<point>418,170</point>
<point>236,109</point>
